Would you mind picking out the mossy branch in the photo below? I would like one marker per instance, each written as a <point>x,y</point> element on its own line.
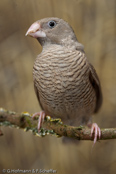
<point>50,126</point>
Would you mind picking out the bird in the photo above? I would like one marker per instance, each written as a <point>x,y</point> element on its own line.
<point>65,82</point>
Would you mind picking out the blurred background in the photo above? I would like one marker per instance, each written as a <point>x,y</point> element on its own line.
<point>94,23</point>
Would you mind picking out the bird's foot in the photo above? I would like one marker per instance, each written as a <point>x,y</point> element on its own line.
<point>41,115</point>
<point>96,130</point>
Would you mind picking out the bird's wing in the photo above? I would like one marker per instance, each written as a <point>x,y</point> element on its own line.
<point>97,87</point>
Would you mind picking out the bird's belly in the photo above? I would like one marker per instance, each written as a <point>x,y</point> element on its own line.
<point>64,88</point>
<point>69,100</point>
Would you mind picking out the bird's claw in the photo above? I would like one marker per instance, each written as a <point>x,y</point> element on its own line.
<point>96,130</point>
<point>41,115</point>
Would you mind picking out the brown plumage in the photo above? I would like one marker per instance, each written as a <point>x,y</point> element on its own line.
<point>66,84</point>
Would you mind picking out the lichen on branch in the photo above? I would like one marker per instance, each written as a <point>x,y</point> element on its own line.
<point>25,121</point>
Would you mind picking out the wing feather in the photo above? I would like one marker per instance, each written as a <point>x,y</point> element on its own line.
<point>97,87</point>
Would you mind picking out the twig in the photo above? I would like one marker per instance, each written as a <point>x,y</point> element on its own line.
<point>50,126</point>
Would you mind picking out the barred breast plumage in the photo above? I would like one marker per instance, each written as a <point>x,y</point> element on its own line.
<point>66,84</point>
<point>63,86</point>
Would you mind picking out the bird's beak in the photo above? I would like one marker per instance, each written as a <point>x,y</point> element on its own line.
<point>35,31</point>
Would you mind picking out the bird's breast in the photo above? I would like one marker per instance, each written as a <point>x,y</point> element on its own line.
<point>62,81</point>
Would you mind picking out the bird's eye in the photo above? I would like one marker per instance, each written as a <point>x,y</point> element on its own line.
<point>51,24</point>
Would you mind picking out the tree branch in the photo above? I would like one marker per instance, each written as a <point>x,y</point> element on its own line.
<point>50,126</point>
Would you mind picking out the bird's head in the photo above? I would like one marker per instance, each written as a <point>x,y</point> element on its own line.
<point>52,31</point>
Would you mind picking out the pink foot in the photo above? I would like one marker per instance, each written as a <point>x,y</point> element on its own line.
<point>97,131</point>
<point>41,115</point>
